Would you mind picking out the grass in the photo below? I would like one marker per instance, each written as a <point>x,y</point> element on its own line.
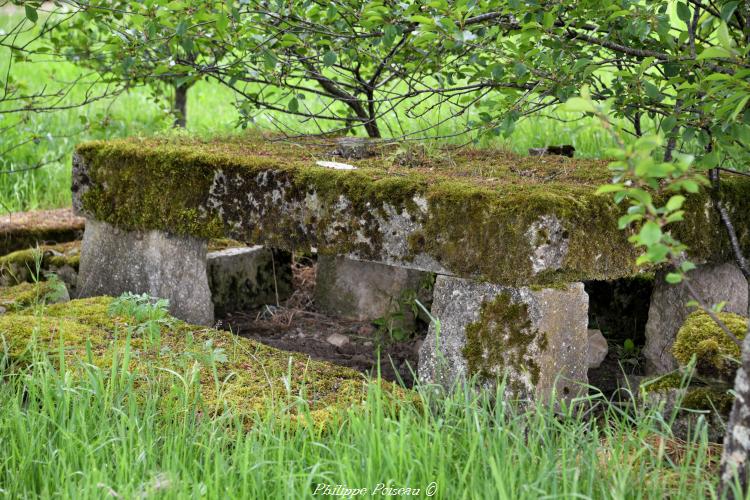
<point>95,437</point>
<point>72,429</point>
<point>211,112</point>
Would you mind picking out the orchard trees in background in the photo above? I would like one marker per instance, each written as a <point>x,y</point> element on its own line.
<point>134,43</point>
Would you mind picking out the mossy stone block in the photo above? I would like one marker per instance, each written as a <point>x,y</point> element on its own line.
<point>537,339</point>
<point>668,310</point>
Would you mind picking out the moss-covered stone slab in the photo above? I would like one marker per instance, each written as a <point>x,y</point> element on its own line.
<point>22,230</point>
<point>535,338</point>
<point>474,213</point>
<point>231,372</point>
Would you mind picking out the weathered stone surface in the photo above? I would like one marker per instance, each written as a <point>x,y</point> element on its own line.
<point>367,290</point>
<point>598,348</point>
<point>668,310</point>
<point>538,338</point>
<point>337,339</point>
<point>247,277</point>
<point>540,220</point>
<point>21,230</point>
<point>114,261</point>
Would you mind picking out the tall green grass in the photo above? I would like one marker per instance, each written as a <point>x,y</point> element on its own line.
<point>93,433</point>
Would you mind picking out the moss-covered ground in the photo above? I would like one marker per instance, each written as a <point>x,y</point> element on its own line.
<point>228,371</point>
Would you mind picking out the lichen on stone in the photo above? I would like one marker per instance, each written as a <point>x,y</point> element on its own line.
<point>502,342</point>
<point>716,353</point>
<point>470,216</point>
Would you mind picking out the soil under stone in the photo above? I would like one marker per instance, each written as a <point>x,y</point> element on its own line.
<point>295,325</point>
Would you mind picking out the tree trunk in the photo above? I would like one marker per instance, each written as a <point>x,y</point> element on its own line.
<point>734,459</point>
<point>179,107</point>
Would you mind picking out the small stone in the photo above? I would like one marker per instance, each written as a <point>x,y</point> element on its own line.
<point>3,310</point>
<point>597,348</point>
<point>337,340</point>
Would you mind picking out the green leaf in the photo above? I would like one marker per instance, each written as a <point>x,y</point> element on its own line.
<point>329,58</point>
<point>609,188</point>
<point>675,203</point>
<point>683,12</point>
<point>674,278</point>
<point>293,105</point>
<point>727,10</point>
<point>31,13</point>
<point>650,233</point>
<point>714,53</point>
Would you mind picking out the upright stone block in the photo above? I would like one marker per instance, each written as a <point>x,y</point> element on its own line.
<point>366,290</point>
<point>714,283</point>
<point>114,261</point>
<point>537,338</point>
<point>246,277</point>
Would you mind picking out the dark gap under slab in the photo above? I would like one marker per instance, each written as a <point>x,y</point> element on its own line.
<point>295,325</point>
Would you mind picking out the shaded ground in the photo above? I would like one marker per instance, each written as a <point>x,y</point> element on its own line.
<point>295,325</point>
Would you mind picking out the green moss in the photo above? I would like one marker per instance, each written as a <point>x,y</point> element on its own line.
<point>502,342</point>
<point>233,372</point>
<point>21,266</point>
<point>25,295</point>
<point>716,354</point>
<point>479,204</point>
<point>663,383</point>
<point>708,399</point>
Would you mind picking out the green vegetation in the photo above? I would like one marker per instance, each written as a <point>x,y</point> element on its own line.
<point>716,354</point>
<point>201,188</point>
<point>229,372</point>
<point>93,405</point>
<point>211,112</point>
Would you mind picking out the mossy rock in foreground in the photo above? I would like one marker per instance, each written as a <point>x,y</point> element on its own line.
<point>233,372</point>
<point>716,353</point>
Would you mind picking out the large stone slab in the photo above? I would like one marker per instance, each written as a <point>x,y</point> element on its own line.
<point>537,338</point>
<point>246,277</point>
<point>172,267</point>
<point>22,230</point>
<point>367,290</point>
<point>668,310</point>
<point>487,214</point>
